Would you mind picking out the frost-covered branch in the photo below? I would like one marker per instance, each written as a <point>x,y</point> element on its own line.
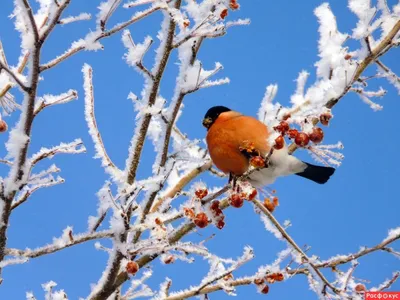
<point>143,126</point>
<point>209,280</point>
<point>80,45</point>
<point>74,147</point>
<point>59,245</point>
<point>389,74</point>
<point>181,184</point>
<point>289,239</point>
<point>101,153</point>
<point>49,100</point>
<point>135,54</point>
<point>107,8</point>
<point>71,19</point>
<point>211,288</point>
<point>393,236</point>
<point>19,141</point>
<point>13,75</point>
<point>67,240</point>
<point>389,282</point>
<point>384,45</point>
<point>20,69</point>
<point>24,197</point>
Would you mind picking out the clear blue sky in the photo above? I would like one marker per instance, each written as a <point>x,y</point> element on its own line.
<point>356,208</point>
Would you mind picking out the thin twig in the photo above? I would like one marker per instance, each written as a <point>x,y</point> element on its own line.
<point>14,76</point>
<point>289,239</point>
<point>102,35</point>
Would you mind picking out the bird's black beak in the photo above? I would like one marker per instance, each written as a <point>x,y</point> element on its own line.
<point>207,122</point>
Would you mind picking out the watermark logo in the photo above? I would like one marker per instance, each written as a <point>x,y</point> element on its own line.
<point>382,295</point>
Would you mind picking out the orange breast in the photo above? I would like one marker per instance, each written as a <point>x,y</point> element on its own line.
<point>227,134</point>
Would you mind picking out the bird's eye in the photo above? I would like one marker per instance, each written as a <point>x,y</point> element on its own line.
<point>207,122</point>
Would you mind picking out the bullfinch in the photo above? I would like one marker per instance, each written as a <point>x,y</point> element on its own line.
<point>228,130</point>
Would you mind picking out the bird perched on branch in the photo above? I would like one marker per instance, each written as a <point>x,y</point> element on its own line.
<point>236,141</point>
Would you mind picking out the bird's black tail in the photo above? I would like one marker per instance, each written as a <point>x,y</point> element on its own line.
<point>318,174</point>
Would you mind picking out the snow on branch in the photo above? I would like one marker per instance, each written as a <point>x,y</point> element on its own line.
<point>136,52</point>
<point>217,273</point>
<point>49,100</point>
<point>27,192</point>
<point>196,78</point>
<point>140,2</point>
<point>71,19</point>
<point>74,147</point>
<point>389,75</point>
<point>134,292</point>
<point>107,8</point>
<point>283,235</point>
<point>101,153</point>
<point>90,43</point>
<point>13,76</point>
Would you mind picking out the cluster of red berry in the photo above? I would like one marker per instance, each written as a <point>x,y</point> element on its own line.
<point>232,5</point>
<point>301,139</point>
<point>236,199</point>
<point>217,213</point>
<point>271,205</point>
<point>200,219</point>
<point>262,285</point>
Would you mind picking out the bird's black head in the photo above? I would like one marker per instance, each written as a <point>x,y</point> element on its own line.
<point>212,115</point>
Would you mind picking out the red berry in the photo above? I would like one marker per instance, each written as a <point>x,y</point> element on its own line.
<point>360,288</point>
<point>271,278</point>
<point>186,23</point>
<point>324,118</point>
<point>286,116</point>
<point>201,193</point>
<point>220,224</point>
<point>169,260</point>
<point>292,133</point>
<point>252,195</point>
<point>132,267</point>
<point>347,56</point>
<point>223,14</point>
<point>234,5</point>
<point>257,162</point>
<point>236,200</point>
<point>188,212</point>
<point>214,205</point>
<point>258,281</point>
<point>302,139</point>
<point>317,135</point>
<point>269,205</point>
<point>3,126</point>
<point>283,127</point>
<point>279,142</point>
<point>265,289</point>
<point>201,220</point>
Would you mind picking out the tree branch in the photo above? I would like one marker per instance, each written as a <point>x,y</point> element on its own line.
<point>73,50</point>
<point>14,76</point>
<point>289,239</point>
<point>384,45</point>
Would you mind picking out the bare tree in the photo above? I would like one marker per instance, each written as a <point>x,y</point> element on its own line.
<point>134,205</point>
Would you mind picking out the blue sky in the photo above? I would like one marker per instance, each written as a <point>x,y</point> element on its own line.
<point>356,208</point>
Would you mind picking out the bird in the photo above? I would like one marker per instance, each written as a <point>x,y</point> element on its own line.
<point>229,130</point>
